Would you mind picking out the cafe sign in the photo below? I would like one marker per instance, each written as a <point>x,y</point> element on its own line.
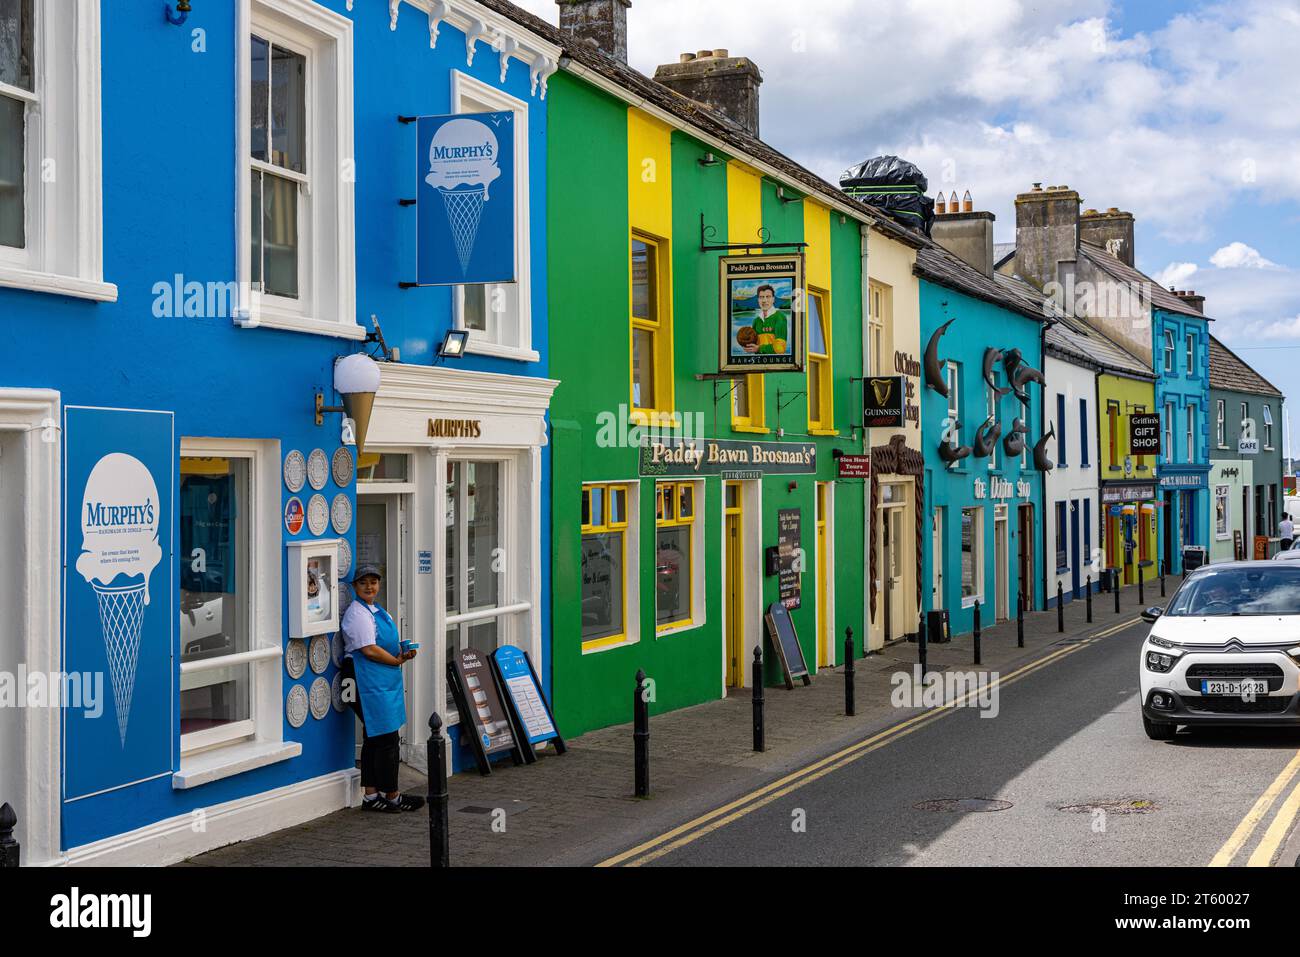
<point>725,457</point>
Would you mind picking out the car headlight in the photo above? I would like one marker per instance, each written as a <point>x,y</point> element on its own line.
<point>1161,643</point>
<point>1294,652</point>
<point>1158,662</point>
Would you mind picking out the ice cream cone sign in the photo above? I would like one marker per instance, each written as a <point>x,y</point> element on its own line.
<point>120,515</point>
<point>463,167</point>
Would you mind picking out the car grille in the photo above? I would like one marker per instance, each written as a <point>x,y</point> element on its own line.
<point>1254,669</point>
<point>1228,704</point>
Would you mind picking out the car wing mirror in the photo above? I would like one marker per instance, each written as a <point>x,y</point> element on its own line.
<point>1149,615</point>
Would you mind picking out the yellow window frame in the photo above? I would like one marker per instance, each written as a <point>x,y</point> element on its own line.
<point>756,421</point>
<point>660,329</point>
<point>599,522</point>
<point>669,514</point>
<point>822,419</point>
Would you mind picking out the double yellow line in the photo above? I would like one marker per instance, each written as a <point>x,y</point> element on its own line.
<point>1277,830</point>
<point>692,831</point>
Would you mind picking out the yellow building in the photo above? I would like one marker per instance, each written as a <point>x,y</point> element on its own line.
<point>1129,492</point>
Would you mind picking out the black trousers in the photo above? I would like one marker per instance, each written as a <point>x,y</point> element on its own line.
<point>381,754</point>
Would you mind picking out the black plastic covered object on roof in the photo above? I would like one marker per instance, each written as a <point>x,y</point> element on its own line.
<point>893,185</point>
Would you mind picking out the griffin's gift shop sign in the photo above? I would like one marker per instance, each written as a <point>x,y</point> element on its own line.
<point>884,400</point>
<point>730,459</point>
<point>761,325</point>
<point>466,199</point>
<point>1144,434</point>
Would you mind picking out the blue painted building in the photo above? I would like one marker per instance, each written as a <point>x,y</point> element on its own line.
<point>1181,353</point>
<point>983,499</point>
<point>178,283</point>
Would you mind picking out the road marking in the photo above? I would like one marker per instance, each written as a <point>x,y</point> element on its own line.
<point>693,830</point>
<point>1255,815</point>
<point>1277,831</point>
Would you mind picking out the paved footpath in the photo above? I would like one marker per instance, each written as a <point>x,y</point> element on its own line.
<point>578,809</point>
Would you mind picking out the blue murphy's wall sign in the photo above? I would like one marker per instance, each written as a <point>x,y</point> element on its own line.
<point>118,593</point>
<point>466,164</point>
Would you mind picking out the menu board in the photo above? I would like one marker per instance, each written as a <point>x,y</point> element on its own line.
<point>785,640</point>
<point>485,726</point>
<point>788,523</point>
<point>520,685</point>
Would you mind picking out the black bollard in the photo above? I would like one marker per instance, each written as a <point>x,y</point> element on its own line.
<point>641,736</point>
<point>848,672</point>
<point>1088,593</point>
<point>978,655</point>
<point>1141,590</point>
<point>1115,582</point>
<point>921,649</point>
<point>1060,608</point>
<point>438,799</point>
<point>9,849</point>
<point>759,742</point>
<point>1162,579</point>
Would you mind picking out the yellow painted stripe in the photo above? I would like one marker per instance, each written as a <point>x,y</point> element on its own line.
<point>693,830</point>
<point>1277,832</point>
<point>1255,815</point>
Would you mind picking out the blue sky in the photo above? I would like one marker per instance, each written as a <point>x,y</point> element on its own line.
<point>1185,113</point>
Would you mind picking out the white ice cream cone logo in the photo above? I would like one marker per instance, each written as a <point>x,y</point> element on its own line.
<point>462,166</point>
<point>120,550</point>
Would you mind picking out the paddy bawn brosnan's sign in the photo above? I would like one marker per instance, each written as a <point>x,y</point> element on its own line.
<point>727,458</point>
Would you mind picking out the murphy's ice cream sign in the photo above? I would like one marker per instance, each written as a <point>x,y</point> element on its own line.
<point>730,459</point>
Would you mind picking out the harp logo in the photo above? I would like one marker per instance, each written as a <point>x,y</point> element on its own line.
<point>882,389</point>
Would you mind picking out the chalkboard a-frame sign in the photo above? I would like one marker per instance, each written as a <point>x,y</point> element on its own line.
<point>780,629</point>
<point>484,723</point>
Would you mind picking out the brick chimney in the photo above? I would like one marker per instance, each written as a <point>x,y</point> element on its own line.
<point>965,233</point>
<point>602,23</point>
<point>1112,230</point>
<point>1047,232</point>
<point>725,84</point>
<point>1191,298</point>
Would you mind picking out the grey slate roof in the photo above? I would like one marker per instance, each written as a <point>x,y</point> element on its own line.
<point>1075,341</point>
<point>1230,372</point>
<point>698,116</point>
<point>1161,298</point>
<point>1002,252</point>
<point>936,264</point>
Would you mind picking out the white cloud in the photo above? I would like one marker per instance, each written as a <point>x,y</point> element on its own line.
<point>1175,275</point>
<point>1240,256</point>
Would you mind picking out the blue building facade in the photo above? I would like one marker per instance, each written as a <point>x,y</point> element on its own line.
<point>984,507</point>
<point>187,490</point>
<point>1181,356</point>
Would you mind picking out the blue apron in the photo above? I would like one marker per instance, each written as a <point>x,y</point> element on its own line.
<point>383,705</point>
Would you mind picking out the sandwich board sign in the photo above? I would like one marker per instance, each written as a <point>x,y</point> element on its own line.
<point>484,724</point>
<point>529,711</point>
<point>780,629</point>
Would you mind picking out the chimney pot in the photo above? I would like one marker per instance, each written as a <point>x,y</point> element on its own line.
<point>967,234</point>
<point>941,204</point>
<point>686,58</point>
<point>967,204</point>
<point>729,88</point>
<point>720,54</point>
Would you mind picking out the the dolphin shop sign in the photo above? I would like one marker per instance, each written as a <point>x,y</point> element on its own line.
<point>999,488</point>
<point>466,199</point>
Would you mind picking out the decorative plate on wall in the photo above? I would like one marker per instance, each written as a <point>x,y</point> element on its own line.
<point>319,654</point>
<point>336,649</point>
<point>318,469</point>
<point>336,692</point>
<point>341,513</point>
<point>345,599</point>
<point>345,559</point>
<point>293,515</point>
<point>295,706</point>
<point>342,467</point>
<point>321,698</point>
<point>295,658</point>
<point>318,515</point>
<point>295,471</point>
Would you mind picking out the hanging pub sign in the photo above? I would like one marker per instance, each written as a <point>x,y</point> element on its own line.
<point>1144,433</point>
<point>884,401</point>
<point>762,317</point>
<point>484,723</point>
<point>730,459</point>
<point>466,199</point>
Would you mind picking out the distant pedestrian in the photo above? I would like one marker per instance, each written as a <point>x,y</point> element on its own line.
<point>1286,528</point>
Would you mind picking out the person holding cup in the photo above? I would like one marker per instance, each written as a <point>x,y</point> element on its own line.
<point>374,655</point>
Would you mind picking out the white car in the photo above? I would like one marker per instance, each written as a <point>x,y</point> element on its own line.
<point>1290,555</point>
<point>1226,650</point>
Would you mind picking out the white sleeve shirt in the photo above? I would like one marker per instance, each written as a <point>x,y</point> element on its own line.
<point>358,627</point>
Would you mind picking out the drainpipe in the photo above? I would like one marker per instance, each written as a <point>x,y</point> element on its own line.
<point>866,443</point>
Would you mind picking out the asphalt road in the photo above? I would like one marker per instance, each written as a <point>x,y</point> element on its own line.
<point>1067,735</point>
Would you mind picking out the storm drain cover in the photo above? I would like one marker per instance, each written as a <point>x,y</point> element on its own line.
<point>963,805</point>
<point>1135,806</point>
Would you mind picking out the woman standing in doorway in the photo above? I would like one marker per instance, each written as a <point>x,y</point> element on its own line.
<point>373,662</point>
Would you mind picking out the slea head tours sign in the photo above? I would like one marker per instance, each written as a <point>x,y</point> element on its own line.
<point>729,459</point>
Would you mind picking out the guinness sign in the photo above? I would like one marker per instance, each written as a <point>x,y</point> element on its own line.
<point>884,398</point>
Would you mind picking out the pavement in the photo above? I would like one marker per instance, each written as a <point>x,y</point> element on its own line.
<point>1057,720</point>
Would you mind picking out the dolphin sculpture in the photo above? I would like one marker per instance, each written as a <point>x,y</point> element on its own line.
<point>1026,373</point>
<point>1014,443</point>
<point>991,358</point>
<point>1041,461</point>
<point>934,376</point>
<point>949,454</point>
<point>986,438</point>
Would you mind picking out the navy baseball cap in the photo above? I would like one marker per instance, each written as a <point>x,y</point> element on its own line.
<point>367,570</point>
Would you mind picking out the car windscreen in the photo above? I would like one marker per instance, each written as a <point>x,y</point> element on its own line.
<point>1262,590</point>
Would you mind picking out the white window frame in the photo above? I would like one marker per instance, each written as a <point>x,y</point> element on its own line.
<point>1221,492</point>
<point>991,409</point>
<point>1169,432</point>
<point>1169,350</point>
<point>469,95</point>
<point>1267,412</point>
<point>327,246</point>
<point>63,219</point>
<point>952,373</point>
<point>977,557</point>
<point>220,752</point>
<point>1221,414</point>
<point>1191,432</point>
<point>1190,340</point>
